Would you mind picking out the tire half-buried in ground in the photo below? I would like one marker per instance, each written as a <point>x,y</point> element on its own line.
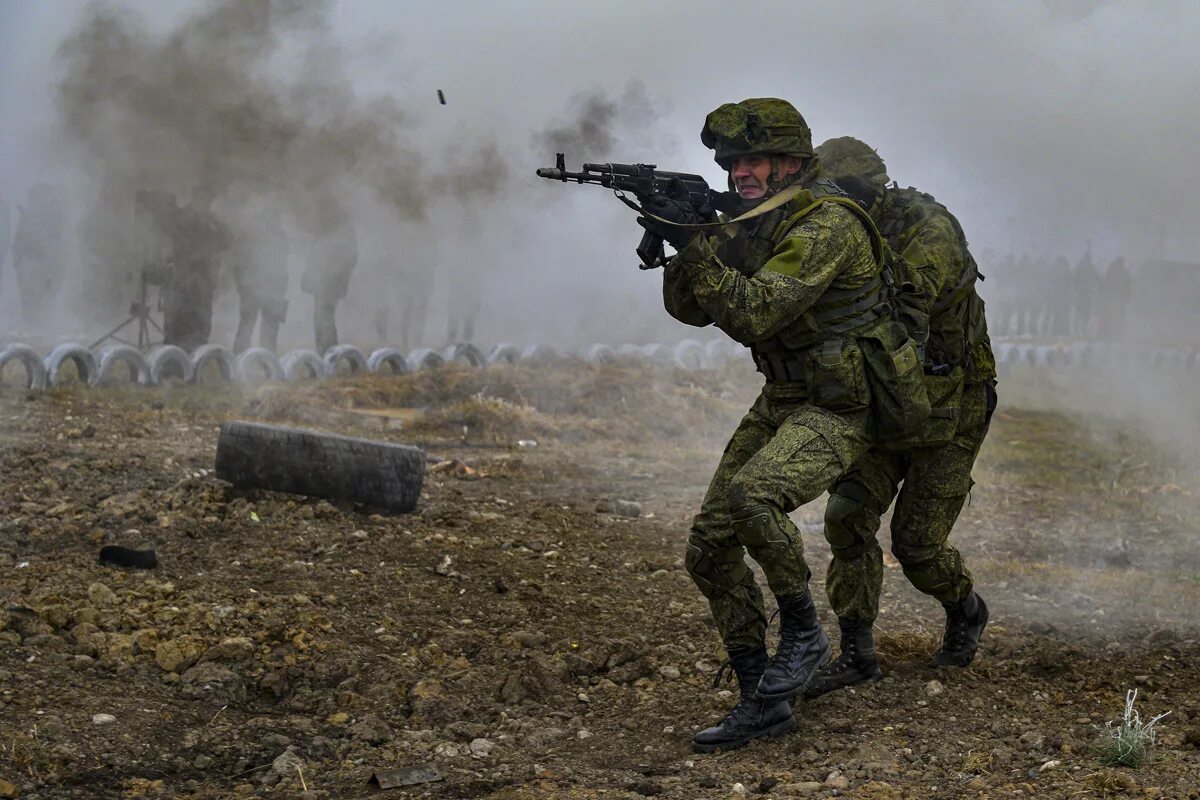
<point>168,361</point>
<point>81,357</point>
<point>35,370</point>
<point>109,359</point>
<point>378,474</point>
<point>299,365</point>
<point>348,354</point>
<point>388,359</point>
<point>256,363</point>
<point>464,353</point>
<point>207,354</point>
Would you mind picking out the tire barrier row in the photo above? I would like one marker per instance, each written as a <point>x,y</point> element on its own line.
<point>213,362</point>
<point>169,363</point>
<point>1093,354</point>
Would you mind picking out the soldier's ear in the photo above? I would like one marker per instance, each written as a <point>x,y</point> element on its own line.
<point>791,165</point>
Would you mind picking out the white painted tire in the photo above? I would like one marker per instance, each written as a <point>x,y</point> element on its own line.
<point>503,353</point>
<point>347,353</point>
<point>716,353</point>
<point>85,364</point>
<point>464,353</point>
<point>301,365</point>
<point>659,354</point>
<point>689,354</point>
<point>207,354</point>
<point>541,355</point>
<point>35,369</point>
<point>425,358</point>
<point>256,362</point>
<point>600,354</point>
<point>388,360</point>
<point>167,356</point>
<point>109,358</point>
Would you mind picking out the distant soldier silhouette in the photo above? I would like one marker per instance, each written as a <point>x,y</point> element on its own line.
<point>332,257</point>
<point>1028,305</point>
<point>1085,286</point>
<point>1055,294</point>
<point>259,262</point>
<point>197,241</point>
<point>1114,299</point>
<point>1004,297</point>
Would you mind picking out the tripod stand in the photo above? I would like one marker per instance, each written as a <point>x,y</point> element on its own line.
<point>139,311</point>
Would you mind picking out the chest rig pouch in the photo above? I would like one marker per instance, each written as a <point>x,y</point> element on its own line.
<point>858,350</point>
<point>900,403</point>
<point>945,398</point>
<point>943,381</point>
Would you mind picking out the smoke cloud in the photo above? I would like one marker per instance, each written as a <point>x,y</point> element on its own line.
<point>1043,126</point>
<point>600,124</point>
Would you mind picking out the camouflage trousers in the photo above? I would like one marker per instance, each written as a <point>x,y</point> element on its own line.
<point>784,453</point>
<point>936,483</point>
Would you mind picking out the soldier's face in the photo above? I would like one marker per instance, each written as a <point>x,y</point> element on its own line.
<point>751,174</point>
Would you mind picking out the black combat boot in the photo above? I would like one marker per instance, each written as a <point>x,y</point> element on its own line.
<point>752,717</point>
<point>965,621</point>
<point>856,663</point>
<point>803,649</point>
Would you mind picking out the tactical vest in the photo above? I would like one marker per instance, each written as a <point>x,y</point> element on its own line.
<point>957,326</point>
<point>837,311</point>
<point>848,348</point>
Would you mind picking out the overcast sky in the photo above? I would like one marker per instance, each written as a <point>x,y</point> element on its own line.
<point>1043,125</point>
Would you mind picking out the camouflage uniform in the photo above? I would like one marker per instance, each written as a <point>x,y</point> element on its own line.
<point>259,261</point>
<point>1085,288</point>
<point>760,286</point>
<point>798,278</point>
<point>1054,297</point>
<point>936,473</point>
<point>197,241</point>
<point>1114,300</point>
<point>332,257</point>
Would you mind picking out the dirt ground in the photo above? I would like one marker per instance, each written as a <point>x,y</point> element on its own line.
<point>522,639</point>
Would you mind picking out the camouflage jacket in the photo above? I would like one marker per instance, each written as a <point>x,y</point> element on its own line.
<point>759,284</point>
<point>931,241</point>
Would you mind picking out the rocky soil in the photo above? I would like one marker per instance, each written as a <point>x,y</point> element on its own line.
<point>530,631</point>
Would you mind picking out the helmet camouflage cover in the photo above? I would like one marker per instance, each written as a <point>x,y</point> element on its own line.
<point>758,126</point>
<point>847,157</point>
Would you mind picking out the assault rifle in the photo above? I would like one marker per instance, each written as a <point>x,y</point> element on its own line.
<point>643,180</point>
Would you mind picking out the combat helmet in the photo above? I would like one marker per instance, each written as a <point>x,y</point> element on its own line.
<point>758,126</point>
<point>846,157</point>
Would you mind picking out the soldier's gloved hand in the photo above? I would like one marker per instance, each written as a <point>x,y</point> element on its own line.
<point>676,211</point>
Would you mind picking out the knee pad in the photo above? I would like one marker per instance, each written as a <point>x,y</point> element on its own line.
<point>926,567</point>
<point>913,555</point>
<point>759,526</point>
<point>927,578</point>
<point>849,526</point>
<point>715,570</point>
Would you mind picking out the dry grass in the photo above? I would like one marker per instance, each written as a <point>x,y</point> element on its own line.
<point>23,754</point>
<point>489,419</point>
<point>904,645</point>
<point>978,762</point>
<point>627,402</point>
<point>1109,783</point>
